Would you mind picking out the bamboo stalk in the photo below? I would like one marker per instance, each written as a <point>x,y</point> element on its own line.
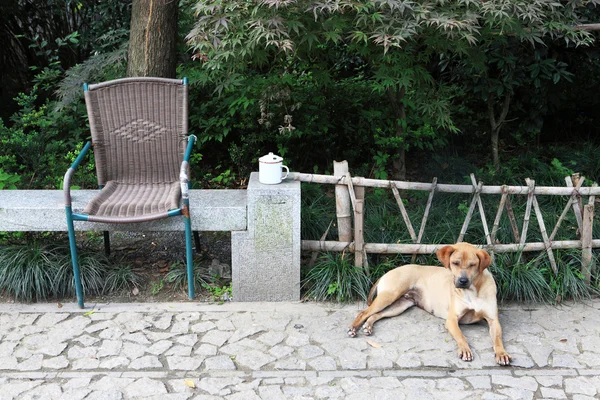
<point>575,202</point>
<point>342,202</point>
<point>351,191</point>
<point>359,239</point>
<point>530,196</point>
<point>587,242</point>
<point>481,211</point>
<point>425,215</point>
<point>412,248</point>
<point>407,222</point>
<point>441,188</point>
<point>547,242</point>
<point>498,216</point>
<point>513,220</point>
<point>463,230</point>
<point>566,209</point>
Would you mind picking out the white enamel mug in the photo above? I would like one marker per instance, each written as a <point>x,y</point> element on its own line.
<point>270,169</point>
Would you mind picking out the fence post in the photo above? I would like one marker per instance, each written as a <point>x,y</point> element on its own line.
<point>342,203</point>
<point>586,242</point>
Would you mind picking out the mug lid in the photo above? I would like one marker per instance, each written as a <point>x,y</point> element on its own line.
<point>270,159</point>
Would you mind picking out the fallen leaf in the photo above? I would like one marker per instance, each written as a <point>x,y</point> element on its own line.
<point>189,383</point>
<point>87,314</point>
<point>563,340</point>
<point>59,305</point>
<point>135,291</point>
<point>373,344</point>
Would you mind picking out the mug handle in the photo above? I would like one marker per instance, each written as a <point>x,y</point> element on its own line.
<point>287,171</point>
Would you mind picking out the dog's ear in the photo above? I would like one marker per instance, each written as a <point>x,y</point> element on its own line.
<point>484,259</point>
<point>444,254</point>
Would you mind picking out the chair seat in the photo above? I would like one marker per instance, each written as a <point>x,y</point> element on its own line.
<point>128,200</point>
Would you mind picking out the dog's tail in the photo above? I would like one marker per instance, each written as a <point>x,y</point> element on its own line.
<point>372,293</point>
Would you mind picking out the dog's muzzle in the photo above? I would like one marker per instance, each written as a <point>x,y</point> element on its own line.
<point>462,283</point>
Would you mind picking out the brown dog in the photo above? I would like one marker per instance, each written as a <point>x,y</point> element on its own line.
<point>464,291</point>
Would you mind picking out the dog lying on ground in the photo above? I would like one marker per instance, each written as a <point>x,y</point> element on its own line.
<point>464,291</point>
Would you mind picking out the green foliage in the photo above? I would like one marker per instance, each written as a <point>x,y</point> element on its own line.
<point>33,271</point>
<point>8,181</point>
<point>335,277</point>
<point>218,293</point>
<point>177,276</point>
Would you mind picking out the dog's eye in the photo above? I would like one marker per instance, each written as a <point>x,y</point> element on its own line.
<point>455,263</point>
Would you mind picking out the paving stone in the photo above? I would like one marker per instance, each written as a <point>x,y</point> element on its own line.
<point>187,316</point>
<point>136,337</point>
<point>181,327</point>
<point>244,332</point>
<point>106,395</point>
<point>59,362</point>
<point>385,382</point>
<point>182,351</point>
<point>7,348</point>
<point>187,340</point>
<point>184,363</point>
<point>14,388</point>
<point>50,319</point>
<point>215,385</point>
<point>33,363</point>
<point>77,352</point>
<point>77,383</point>
<point>114,362</point>
<point>133,350</point>
<point>307,352</point>
<point>219,363</point>
<point>271,392</point>
<point>110,333</point>
<point>551,380</point>
<point>379,363</point>
<point>297,340</point>
<point>145,387</point>
<point>163,322</point>
<point>254,359</point>
<point>352,359</point>
<point>75,394</point>
<point>246,395</point>
<point>224,325</point>
<point>100,326</point>
<point>329,392</point>
<point>409,360</point>
<point>271,338</point>
<point>323,364</point>
<point>146,362</point>
<point>564,361</point>
<point>291,363</point>
<point>206,350</point>
<point>550,393</point>
<point>204,326</point>
<point>580,385</point>
<point>526,383</point>
<point>281,351</point>
<point>218,338</point>
<point>516,393</point>
<point>589,359</point>
<point>159,347</point>
<point>480,382</point>
<point>109,348</point>
<point>539,353</point>
<point>591,343</point>
<point>107,383</point>
<point>85,364</point>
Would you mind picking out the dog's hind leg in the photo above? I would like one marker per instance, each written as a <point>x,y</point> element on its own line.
<point>379,304</point>
<point>397,308</point>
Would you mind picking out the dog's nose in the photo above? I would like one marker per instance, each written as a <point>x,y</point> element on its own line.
<point>463,280</point>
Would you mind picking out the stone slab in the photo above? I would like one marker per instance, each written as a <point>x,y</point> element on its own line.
<point>44,210</point>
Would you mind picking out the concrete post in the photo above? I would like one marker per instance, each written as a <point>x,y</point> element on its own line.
<point>266,258</point>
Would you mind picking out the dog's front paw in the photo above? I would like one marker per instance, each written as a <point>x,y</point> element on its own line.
<point>465,354</point>
<point>352,332</point>
<point>503,358</point>
<point>367,330</point>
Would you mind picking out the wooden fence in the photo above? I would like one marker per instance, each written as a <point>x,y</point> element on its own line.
<point>350,207</point>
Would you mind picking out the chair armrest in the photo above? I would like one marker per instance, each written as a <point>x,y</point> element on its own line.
<point>185,168</point>
<point>71,171</point>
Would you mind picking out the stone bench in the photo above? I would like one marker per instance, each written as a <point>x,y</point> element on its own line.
<point>264,222</point>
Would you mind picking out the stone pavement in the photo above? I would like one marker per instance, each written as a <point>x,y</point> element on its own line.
<point>252,351</point>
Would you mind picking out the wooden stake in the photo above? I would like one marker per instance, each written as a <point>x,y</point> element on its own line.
<point>407,222</point>
<point>483,220</point>
<point>426,214</point>
<point>313,256</point>
<point>513,220</point>
<point>531,185</point>
<point>547,241</point>
<point>567,207</point>
<point>463,230</point>
<point>342,203</point>
<point>587,242</point>
<point>358,233</point>
<point>576,207</point>
<point>498,216</point>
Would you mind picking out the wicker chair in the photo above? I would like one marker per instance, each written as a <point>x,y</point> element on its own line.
<point>139,134</point>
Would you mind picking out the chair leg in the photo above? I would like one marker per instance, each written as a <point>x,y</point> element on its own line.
<point>189,254</point>
<point>74,258</point>
<point>107,243</point>
<point>197,241</point>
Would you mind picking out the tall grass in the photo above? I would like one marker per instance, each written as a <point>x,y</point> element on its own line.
<point>35,272</point>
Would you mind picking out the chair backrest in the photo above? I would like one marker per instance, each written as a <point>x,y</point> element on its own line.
<point>139,128</point>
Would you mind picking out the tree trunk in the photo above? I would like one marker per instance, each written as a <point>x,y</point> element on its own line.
<point>152,38</point>
<point>496,125</point>
<point>399,163</point>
